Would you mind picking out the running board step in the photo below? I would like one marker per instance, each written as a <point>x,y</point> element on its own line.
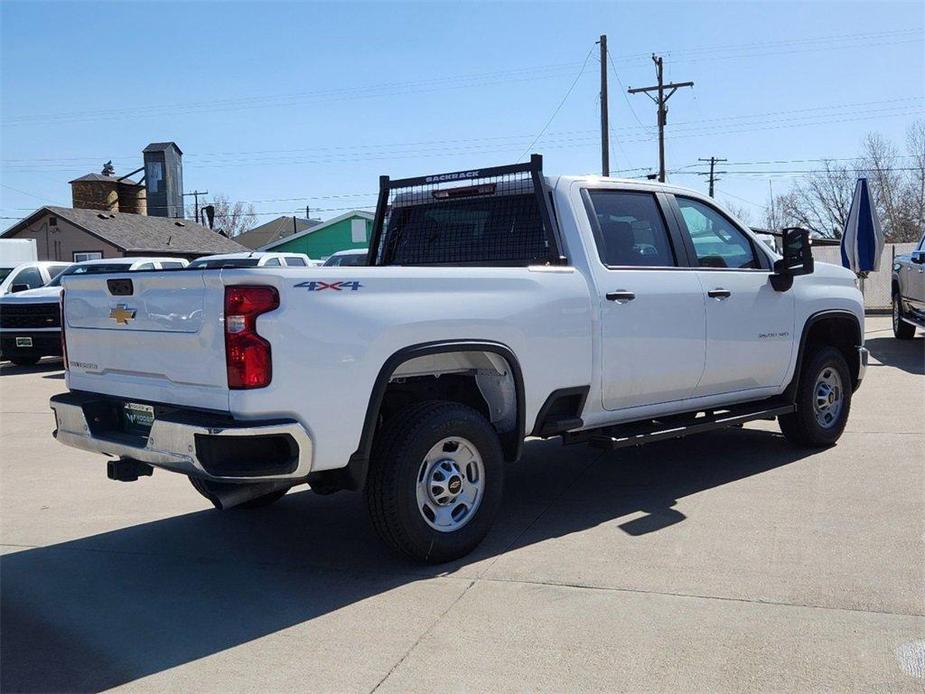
<point>636,435</point>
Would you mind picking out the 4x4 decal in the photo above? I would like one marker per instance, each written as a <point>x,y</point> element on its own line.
<point>318,285</point>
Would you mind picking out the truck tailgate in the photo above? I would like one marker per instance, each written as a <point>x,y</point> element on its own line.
<point>162,342</point>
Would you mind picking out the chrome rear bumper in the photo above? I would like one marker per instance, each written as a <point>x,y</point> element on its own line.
<point>176,442</point>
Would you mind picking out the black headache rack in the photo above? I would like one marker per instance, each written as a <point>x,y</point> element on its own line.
<point>497,216</point>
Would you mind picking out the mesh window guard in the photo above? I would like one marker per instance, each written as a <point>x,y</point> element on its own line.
<point>496,216</point>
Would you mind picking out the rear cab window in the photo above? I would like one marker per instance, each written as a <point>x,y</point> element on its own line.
<point>490,229</point>
<point>295,261</point>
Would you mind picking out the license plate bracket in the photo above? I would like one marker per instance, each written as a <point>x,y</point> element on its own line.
<point>137,417</point>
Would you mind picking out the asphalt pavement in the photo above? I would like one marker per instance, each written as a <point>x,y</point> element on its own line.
<point>730,561</point>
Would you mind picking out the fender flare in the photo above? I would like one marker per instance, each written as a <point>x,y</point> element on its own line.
<point>358,464</point>
<point>815,318</point>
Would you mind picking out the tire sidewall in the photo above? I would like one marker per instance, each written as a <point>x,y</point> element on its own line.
<point>825,358</point>
<point>466,423</point>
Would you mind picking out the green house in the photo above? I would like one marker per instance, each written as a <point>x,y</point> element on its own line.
<point>349,230</point>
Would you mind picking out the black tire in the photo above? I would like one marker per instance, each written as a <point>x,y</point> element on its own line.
<point>204,487</point>
<point>901,329</point>
<point>803,428</point>
<point>397,463</point>
<point>25,361</point>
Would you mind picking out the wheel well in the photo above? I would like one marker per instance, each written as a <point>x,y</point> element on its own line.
<point>483,375</point>
<point>483,381</point>
<point>839,331</point>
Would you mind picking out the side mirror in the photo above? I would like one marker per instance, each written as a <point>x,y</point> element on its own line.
<point>18,288</point>
<point>797,260</point>
<point>918,257</point>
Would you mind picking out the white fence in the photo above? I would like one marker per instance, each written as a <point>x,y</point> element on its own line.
<point>876,287</point>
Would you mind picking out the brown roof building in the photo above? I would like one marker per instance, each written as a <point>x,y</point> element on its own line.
<point>67,234</point>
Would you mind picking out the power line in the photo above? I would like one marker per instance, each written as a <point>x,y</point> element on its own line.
<point>625,96</point>
<point>561,103</point>
<point>427,145</point>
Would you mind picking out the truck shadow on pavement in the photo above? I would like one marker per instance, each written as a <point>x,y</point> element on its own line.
<point>8,368</point>
<point>108,609</point>
<point>908,355</point>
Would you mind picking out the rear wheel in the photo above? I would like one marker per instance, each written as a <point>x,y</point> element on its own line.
<point>901,329</point>
<point>206,488</point>
<point>435,481</point>
<point>25,361</point>
<point>823,400</point>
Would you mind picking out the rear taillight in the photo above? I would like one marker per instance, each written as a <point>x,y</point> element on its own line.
<point>63,339</point>
<point>247,355</point>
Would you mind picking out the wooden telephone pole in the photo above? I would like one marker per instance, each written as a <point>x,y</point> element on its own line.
<point>712,173</point>
<point>664,92</point>
<point>605,124</point>
<point>196,194</point>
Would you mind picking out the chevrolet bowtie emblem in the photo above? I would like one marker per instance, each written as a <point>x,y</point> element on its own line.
<point>122,314</point>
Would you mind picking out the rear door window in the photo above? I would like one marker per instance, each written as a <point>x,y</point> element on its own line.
<point>630,230</point>
<point>295,261</point>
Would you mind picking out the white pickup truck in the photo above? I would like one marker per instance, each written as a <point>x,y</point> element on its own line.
<point>499,304</point>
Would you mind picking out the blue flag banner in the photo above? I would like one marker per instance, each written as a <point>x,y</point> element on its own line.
<point>862,240</point>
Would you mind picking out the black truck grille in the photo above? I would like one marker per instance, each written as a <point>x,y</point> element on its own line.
<point>22,316</point>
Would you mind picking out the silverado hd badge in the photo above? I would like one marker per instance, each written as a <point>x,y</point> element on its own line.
<point>122,314</point>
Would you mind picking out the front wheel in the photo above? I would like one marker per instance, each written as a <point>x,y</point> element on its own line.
<point>823,400</point>
<point>435,481</point>
<point>901,329</point>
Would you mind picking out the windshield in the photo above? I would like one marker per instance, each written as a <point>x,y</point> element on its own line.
<point>207,264</point>
<point>89,270</point>
<point>350,259</point>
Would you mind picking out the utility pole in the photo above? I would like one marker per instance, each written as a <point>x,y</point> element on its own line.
<point>661,101</point>
<point>196,194</point>
<point>605,124</point>
<point>712,174</point>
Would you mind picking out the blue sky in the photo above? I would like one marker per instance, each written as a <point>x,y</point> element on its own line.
<point>288,104</point>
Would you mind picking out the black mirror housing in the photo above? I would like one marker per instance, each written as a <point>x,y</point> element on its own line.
<point>918,257</point>
<point>797,260</point>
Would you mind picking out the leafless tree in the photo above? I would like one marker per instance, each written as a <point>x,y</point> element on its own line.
<point>743,214</point>
<point>232,218</point>
<point>821,200</point>
<point>915,191</point>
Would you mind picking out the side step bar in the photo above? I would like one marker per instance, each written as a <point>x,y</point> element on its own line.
<point>640,433</point>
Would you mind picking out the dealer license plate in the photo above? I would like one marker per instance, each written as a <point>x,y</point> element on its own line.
<point>137,418</point>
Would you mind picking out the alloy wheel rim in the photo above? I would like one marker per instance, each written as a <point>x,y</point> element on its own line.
<point>450,484</point>
<point>828,397</point>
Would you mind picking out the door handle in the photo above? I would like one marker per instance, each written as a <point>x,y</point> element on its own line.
<point>621,296</point>
<point>719,293</point>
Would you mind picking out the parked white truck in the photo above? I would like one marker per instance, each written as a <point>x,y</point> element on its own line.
<point>500,304</point>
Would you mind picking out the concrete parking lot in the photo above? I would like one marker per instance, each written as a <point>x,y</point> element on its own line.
<point>729,561</point>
